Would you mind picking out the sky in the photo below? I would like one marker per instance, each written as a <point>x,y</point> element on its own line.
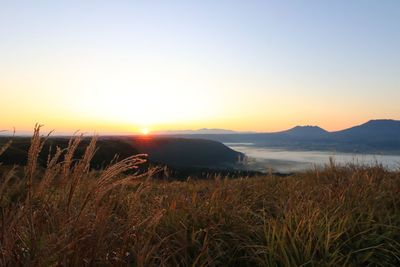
<point>124,66</point>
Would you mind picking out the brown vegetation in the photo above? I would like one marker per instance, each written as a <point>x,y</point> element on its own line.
<point>68,214</point>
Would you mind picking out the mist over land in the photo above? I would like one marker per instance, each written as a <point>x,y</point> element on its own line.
<point>303,147</point>
<point>374,136</point>
<point>295,150</point>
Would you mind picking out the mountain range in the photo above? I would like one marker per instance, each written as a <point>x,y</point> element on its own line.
<point>374,136</point>
<point>383,126</point>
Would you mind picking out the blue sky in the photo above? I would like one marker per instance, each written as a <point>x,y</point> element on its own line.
<point>244,65</point>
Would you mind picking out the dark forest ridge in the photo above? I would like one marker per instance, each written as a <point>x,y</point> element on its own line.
<point>175,152</point>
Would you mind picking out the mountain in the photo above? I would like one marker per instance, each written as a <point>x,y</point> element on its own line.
<point>381,129</point>
<point>375,136</point>
<point>305,132</point>
<point>381,136</point>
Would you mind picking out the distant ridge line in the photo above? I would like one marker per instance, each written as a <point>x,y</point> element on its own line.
<point>299,129</point>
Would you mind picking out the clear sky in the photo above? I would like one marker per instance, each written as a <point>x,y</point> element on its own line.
<point>120,66</point>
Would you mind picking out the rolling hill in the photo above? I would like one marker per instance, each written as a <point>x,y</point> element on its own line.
<point>176,152</point>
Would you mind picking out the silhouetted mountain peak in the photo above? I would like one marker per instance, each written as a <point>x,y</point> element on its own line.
<point>382,123</point>
<point>374,129</point>
<point>307,130</point>
<point>213,131</point>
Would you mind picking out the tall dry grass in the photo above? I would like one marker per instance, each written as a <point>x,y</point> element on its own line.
<point>68,214</point>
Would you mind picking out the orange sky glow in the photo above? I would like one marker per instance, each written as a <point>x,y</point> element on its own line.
<point>121,67</point>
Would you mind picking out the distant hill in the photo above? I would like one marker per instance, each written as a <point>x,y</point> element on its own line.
<point>199,131</point>
<point>177,152</point>
<point>305,132</point>
<point>185,152</point>
<point>375,136</point>
<point>17,153</point>
<point>382,129</point>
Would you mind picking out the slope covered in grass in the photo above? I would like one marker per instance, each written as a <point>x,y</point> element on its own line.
<point>68,214</point>
<point>175,152</point>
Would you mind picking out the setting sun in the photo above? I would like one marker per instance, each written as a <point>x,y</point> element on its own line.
<point>145,131</point>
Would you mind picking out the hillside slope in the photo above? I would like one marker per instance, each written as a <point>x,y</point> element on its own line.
<point>177,152</point>
<point>185,152</point>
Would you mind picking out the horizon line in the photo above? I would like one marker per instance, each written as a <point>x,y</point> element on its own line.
<point>26,133</point>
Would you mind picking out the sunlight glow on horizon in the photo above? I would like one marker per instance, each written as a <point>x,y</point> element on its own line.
<point>145,131</point>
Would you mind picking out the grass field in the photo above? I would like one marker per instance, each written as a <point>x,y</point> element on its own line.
<point>69,214</point>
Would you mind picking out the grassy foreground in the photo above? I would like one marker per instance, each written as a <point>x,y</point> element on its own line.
<point>68,214</point>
